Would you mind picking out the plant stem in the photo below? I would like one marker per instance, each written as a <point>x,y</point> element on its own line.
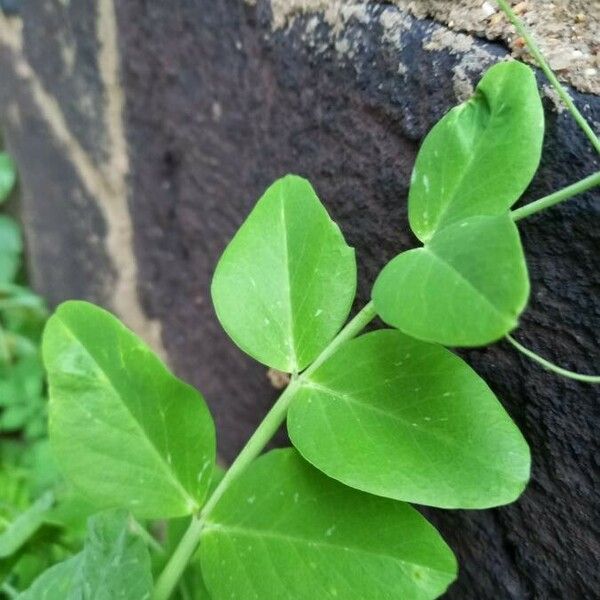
<point>148,538</point>
<point>545,67</point>
<point>254,446</point>
<point>552,367</point>
<point>572,190</point>
<point>168,579</point>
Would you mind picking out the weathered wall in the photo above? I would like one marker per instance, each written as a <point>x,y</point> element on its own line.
<point>133,182</point>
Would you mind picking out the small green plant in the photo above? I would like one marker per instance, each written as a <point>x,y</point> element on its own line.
<point>27,545</point>
<point>377,420</point>
<point>22,317</point>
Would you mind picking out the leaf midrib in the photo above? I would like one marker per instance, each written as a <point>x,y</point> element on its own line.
<point>508,319</point>
<point>409,427</point>
<point>186,496</point>
<point>294,355</point>
<point>468,166</point>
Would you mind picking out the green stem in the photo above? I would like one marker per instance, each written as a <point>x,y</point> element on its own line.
<point>545,67</point>
<point>552,367</point>
<point>572,190</point>
<point>260,438</point>
<point>148,538</point>
<point>168,579</point>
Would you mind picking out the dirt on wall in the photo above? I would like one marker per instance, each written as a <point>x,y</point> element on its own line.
<point>568,31</point>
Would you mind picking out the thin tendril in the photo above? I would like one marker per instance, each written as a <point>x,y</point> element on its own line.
<point>545,67</point>
<point>551,366</point>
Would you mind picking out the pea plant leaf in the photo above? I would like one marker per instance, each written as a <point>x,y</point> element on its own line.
<point>123,429</point>
<point>11,246</point>
<point>114,564</point>
<point>284,530</point>
<point>401,418</point>
<point>481,156</point>
<point>285,283</point>
<point>8,176</point>
<point>466,287</point>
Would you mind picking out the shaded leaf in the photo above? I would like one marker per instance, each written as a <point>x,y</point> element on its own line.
<point>409,420</point>
<point>8,175</point>
<point>466,287</point>
<point>114,564</point>
<point>284,530</point>
<point>123,429</point>
<point>481,156</point>
<point>285,283</point>
<point>21,397</point>
<point>24,526</point>
<point>11,246</point>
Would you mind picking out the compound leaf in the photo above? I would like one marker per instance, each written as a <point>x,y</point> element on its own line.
<point>123,429</point>
<point>466,287</point>
<point>481,156</point>
<point>396,417</point>
<point>284,530</point>
<point>285,283</point>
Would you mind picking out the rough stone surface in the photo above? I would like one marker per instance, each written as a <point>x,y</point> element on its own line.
<point>218,104</point>
<point>565,30</point>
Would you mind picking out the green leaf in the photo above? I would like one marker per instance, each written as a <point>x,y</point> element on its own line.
<point>57,583</point>
<point>285,284</point>
<point>123,429</point>
<point>11,246</point>
<point>24,314</point>
<point>396,417</point>
<point>114,564</point>
<point>481,156</point>
<point>466,287</point>
<point>8,176</point>
<point>24,526</point>
<point>284,530</point>
<point>21,387</point>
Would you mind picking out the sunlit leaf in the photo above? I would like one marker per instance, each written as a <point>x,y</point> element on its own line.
<point>285,283</point>
<point>123,429</point>
<point>284,530</point>
<point>409,420</point>
<point>481,156</point>
<point>466,287</point>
